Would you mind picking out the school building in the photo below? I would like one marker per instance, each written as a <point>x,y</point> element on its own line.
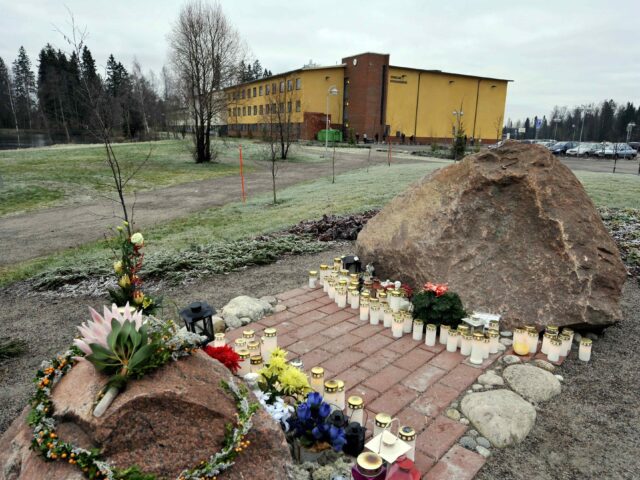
<point>368,97</point>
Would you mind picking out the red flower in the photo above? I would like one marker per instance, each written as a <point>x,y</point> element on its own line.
<point>429,287</point>
<point>441,289</point>
<point>225,355</point>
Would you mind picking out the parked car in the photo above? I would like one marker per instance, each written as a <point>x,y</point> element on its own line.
<point>583,149</point>
<point>635,146</point>
<point>560,148</point>
<point>615,150</point>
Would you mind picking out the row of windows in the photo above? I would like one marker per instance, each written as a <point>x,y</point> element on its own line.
<point>262,109</point>
<point>268,90</point>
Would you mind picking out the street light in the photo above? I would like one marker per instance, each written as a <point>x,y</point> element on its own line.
<point>630,126</point>
<point>332,91</point>
<point>585,111</point>
<point>556,120</point>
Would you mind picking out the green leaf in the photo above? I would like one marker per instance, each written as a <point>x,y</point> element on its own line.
<point>113,335</point>
<point>142,356</point>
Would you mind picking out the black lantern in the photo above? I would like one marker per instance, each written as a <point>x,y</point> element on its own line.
<point>198,319</point>
<point>352,263</point>
<point>354,433</point>
<point>337,419</point>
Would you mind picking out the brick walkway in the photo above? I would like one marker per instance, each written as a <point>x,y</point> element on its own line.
<point>401,377</point>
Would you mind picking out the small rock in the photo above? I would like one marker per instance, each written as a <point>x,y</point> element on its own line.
<point>577,337</point>
<point>559,377</point>
<point>485,452</point>
<point>483,442</point>
<point>476,387</point>
<point>245,321</point>
<point>464,421</point>
<point>271,300</point>
<point>592,336</point>
<point>506,334</point>
<point>468,442</point>
<point>532,383</point>
<point>543,364</point>
<point>279,308</point>
<point>249,307</point>
<point>453,414</point>
<point>219,325</point>
<point>454,405</point>
<point>506,342</point>
<point>232,321</point>
<point>501,347</point>
<point>473,433</point>
<point>510,359</point>
<point>491,379</point>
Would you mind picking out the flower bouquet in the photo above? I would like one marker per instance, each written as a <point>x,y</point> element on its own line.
<point>436,304</point>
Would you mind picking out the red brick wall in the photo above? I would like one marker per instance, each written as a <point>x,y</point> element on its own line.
<point>313,122</point>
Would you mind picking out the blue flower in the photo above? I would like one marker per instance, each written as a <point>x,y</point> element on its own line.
<point>324,410</point>
<point>304,412</point>
<point>314,398</point>
<point>337,438</point>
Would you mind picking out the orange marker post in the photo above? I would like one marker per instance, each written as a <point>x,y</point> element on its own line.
<point>244,196</point>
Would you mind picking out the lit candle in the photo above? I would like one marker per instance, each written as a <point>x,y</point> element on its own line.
<point>313,278</point>
<point>408,321</point>
<point>269,343</point>
<point>340,395</point>
<point>254,349</point>
<point>430,335</point>
<point>584,352</point>
<point>239,344</point>
<point>324,271</point>
<point>317,379</point>
<point>444,334</point>
<point>555,345</point>
<point>533,341</point>
<point>394,300</point>
<point>466,344</point>
<point>520,342</point>
<point>486,347</point>
<point>380,423</point>
<point>364,307</point>
<point>408,435</point>
<point>218,340</point>
<point>256,363</point>
<point>546,339</point>
<point>418,326</point>
<point>374,311</point>
<point>462,330</point>
<point>244,362</point>
<point>331,393</point>
<point>249,335</point>
<point>341,294</point>
<point>452,341</point>
<point>388,316</point>
<point>566,344</point>
<point>355,410</point>
<point>397,327</point>
<point>354,298</point>
<point>477,346</point>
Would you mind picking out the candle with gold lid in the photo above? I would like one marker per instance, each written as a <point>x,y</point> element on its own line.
<point>463,329</point>
<point>532,336</point>
<point>254,348</point>
<point>331,393</point>
<point>555,345</point>
<point>219,340</point>
<point>313,278</point>
<point>354,277</point>
<point>317,379</point>
<point>466,344</point>
<point>341,294</point>
<point>355,410</point>
<point>374,311</point>
<point>269,343</point>
<point>354,297</point>
<point>494,341</point>
<point>418,326</point>
<point>444,334</point>
<point>368,466</point>
<point>486,347</point>
<point>568,331</point>
<point>477,355</point>
<point>364,307</point>
<point>394,300</point>
<point>344,275</point>
<point>584,352</point>
<point>565,347</point>
<point>382,296</point>
<point>397,328</point>
<point>256,363</point>
<point>494,325</point>
<point>239,344</point>
<point>331,287</point>
<point>520,342</point>
<point>380,423</point>
<point>408,321</point>
<point>249,335</point>
<point>431,333</point>
<point>452,340</point>
<point>388,315</point>
<point>337,264</point>
<point>324,271</point>
<point>244,362</point>
<point>546,339</point>
<point>408,435</point>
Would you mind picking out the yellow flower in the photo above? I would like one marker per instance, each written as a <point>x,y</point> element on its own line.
<point>117,266</point>
<point>293,381</point>
<point>126,224</point>
<point>138,297</point>
<point>124,281</point>
<point>119,228</point>
<point>137,239</point>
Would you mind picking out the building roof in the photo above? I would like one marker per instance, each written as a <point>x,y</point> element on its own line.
<point>284,74</point>
<point>450,73</point>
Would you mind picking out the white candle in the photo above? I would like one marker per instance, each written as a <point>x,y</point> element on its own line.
<point>565,348</point>
<point>555,345</point>
<point>218,340</point>
<point>340,395</point>
<point>344,275</point>
<point>477,349</point>
<point>546,339</point>
<point>382,420</point>
<point>374,312</point>
<point>317,380</point>
<point>494,341</point>
<point>388,316</point>
<point>254,349</point>
<point>444,334</point>
<point>249,336</point>
<point>331,394</point>
<point>462,330</point>
<point>408,435</point>
<point>256,363</point>
<point>584,352</point>
<point>520,341</point>
<point>341,296</point>
<point>418,326</point>
<point>313,278</point>
<point>568,331</point>
<point>325,284</point>
<point>408,321</point>
<point>452,341</point>
<point>466,343</point>
<point>430,335</point>
<point>397,327</point>
<point>324,271</point>
<point>269,343</point>
<point>331,289</point>
<point>355,410</point>
<point>337,264</point>
<point>533,341</point>
<point>486,348</point>
<point>244,362</point>
<point>354,298</point>
<point>239,344</point>
<point>394,300</point>
<point>364,307</point>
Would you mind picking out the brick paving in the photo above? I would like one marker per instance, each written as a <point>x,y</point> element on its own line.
<point>401,377</point>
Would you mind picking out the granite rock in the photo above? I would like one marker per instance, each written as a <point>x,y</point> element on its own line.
<point>533,383</point>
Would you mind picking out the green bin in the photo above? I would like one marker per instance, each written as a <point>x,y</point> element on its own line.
<point>331,135</point>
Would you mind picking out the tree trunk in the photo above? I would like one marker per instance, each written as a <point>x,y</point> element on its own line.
<point>273,178</point>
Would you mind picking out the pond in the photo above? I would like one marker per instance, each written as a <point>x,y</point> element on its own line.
<point>9,139</point>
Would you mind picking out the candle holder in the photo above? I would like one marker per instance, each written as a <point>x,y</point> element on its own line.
<point>477,355</point>
<point>532,336</point>
<point>239,344</point>
<point>466,344</point>
<point>369,466</point>
<point>344,275</point>
<point>324,271</point>
<point>546,339</point>
<point>452,341</point>
<point>418,327</point>
<point>570,332</point>
<point>249,335</point>
<point>269,343</point>
<point>494,341</point>
<point>380,423</point>
<point>565,347</point>
<point>331,393</point>
<point>584,352</point>
<point>382,296</point>
<point>337,264</point>
<point>408,435</point>
<point>254,348</point>
<point>364,307</point>
<point>394,300</point>
<point>486,347</point>
<point>256,363</point>
<point>355,410</point>
<point>462,330</point>
<point>313,278</point>
<point>219,340</point>
<point>388,445</point>
<point>555,345</point>
<point>520,342</point>
<point>431,332</point>
<point>354,298</point>
<point>397,328</point>
<point>388,316</point>
<point>444,334</point>
<point>244,362</point>
<point>331,287</point>
<point>317,380</point>
<point>374,311</point>
<point>340,395</point>
<point>407,326</point>
<point>341,294</point>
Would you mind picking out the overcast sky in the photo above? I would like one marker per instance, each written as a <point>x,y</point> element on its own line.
<point>565,52</point>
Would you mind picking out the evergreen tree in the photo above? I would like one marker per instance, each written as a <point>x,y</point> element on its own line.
<point>25,91</point>
<point>257,70</point>
<point>6,114</point>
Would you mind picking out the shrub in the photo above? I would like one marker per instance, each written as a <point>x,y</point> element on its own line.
<point>435,304</point>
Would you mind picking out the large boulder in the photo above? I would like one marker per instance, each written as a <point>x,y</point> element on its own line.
<point>512,231</point>
<point>167,421</point>
<point>244,310</point>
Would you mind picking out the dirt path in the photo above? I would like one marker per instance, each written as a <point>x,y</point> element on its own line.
<point>35,234</point>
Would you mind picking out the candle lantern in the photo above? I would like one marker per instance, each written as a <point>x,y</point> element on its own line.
<point>407,326</point>
<point>317,379</point>
<point>256,363</point>
<point>555,345</point>
<point>418,326</point>
<point>397,328</point>
<point>249,336</point>
<point>324,271</point>
<point>394,300</point>
<point>388,316</point>
<point>313,278</point>
<point>368,466</point>
<point>466,344</point>
<point>532,336</point>
<point>546,339</point>
<point>344,275</point>
<point>254,349</point>
<point>355,410</point>
<point>244,362</point>
<point>408,435</point>
<point>444,334</point>
<point>341,294</point>
<point>463,330</point>
<point>374,311</point>
<point>218,340</point>
<point>477,346</point>
<point>520,342</point>
<point>354,433</point>
<point>337,264</point>
<point>431,332</point>
<point>380,423</point>
<point>403,469</point>
<point>354,297</point>
<point>331,288</point>
<point>486,347</point>
<point>364,306</point>
<point>352,264</point>
<point>452,341</point>
<point>340,395</point>
<point>198,318</point>
<point>331,393</point>
<point>382,295</point>
<point>584,353</point>
<point>269,343</point>
<point>297,363</point>
<point>239,344</point>
<point>565,347</point>
<point>494,341</point>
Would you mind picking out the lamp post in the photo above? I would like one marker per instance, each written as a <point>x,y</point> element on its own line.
<point>332,91</point>
<point>630,126</point>
<point>555,130</point>
<point>585,111</point>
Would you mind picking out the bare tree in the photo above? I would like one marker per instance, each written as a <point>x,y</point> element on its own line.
<point>498,124</point>
<point>205,51</point>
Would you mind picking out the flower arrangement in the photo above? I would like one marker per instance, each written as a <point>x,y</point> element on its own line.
<point>279,378</point>
<point>225,355</point>
<point>311,428</point>
<point>436,304</point>
<point>127,268</point>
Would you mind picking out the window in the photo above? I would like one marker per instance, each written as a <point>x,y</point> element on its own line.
<point>244,111</point>
<point>298,83</point>
<point>274,88</point>
<point>254,92</point>
<point>255,109</point>
<point>281,106</point>
<point>261,110</point>
<point>229,112</point>
<point>242,94</point>
<point>273,108</point>
<point>234,95</point>
<point>282,86</point>
<point>289,85</point>
<point>266,89</point>
<point>298,106</point>
<point>266,109</point>
<point>248,93</point>
<point>289,106</point>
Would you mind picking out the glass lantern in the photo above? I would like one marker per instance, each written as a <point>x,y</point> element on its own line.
<point>219,340</point>
<point>374,311</point>
<point>198,318</point>
<point>380,423</point>
<point>331,393</point>
<point>248,335</point>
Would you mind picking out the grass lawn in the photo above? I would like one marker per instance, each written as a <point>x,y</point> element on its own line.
<point>354,191</point>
